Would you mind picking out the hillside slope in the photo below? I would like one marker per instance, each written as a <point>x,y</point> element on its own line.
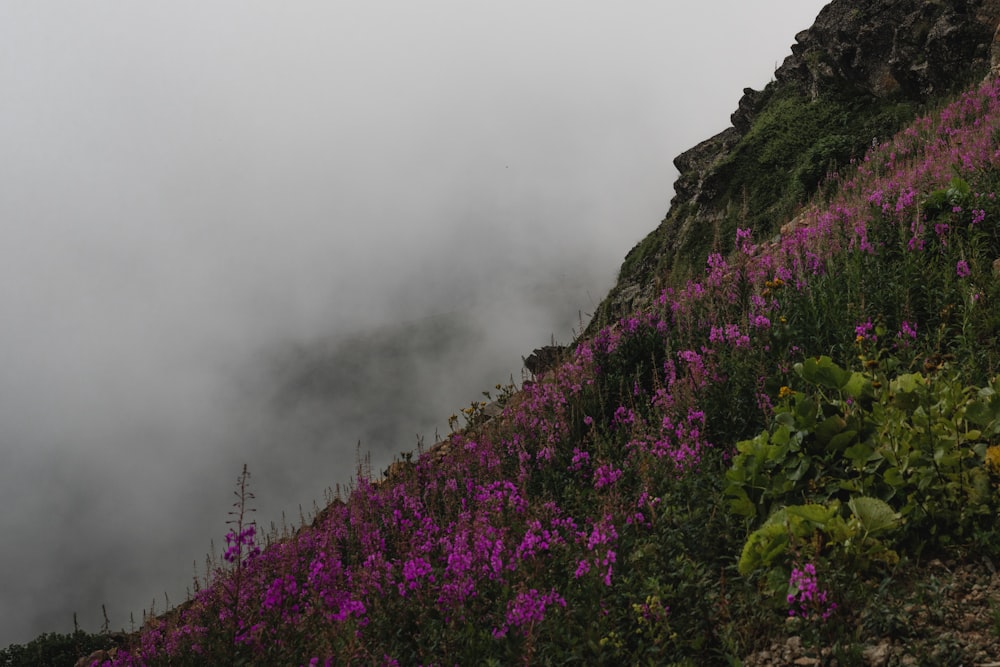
<point>790,452</point>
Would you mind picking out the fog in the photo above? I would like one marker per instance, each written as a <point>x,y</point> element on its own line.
<point>239,232</point>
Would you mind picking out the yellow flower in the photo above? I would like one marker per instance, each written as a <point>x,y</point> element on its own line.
<point>993,458</point>
<point>784,392</point>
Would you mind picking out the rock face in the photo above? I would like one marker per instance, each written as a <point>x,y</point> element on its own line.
<point>916,48</point>
<point>866,55</point>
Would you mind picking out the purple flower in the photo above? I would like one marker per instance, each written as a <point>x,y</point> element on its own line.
<point>527,609</point>
<point>624,416</point>
<point>413,571</point>
<point>805,598</point>
<point>606,475</point>
<point>743,241</point>
<point>865,331</point>
<point>962,269</point>
<point>579,460</point>
<point>907,332</point>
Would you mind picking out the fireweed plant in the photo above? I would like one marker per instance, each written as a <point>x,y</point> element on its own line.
<point>587,522</point>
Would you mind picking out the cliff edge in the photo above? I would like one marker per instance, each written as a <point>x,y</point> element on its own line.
<point>861,72</point>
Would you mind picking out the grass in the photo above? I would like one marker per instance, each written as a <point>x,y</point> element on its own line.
<point>591,521</point>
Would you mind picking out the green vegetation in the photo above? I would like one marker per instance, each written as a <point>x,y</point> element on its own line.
<point>801,440</point>
<point>57,650</point>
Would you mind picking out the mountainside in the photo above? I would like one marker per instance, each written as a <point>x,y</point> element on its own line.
<point>778,443</point>
<point>861,72</point>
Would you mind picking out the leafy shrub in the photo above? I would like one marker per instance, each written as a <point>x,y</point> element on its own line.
<point>912,448</point>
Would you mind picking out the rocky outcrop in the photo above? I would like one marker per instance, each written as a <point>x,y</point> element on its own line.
<point>543,359</point>
<point>862,53</point>
<point>913,49</point>
<point>916,48</point>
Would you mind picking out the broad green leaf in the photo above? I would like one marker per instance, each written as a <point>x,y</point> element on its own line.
<point>742,507</point>
<point>830,427</point>
<point>824,372</point>
<point>984,413</point>
<point>762,546</point>
<point>906,388</point>
<point>893,477</point>
<point>818,514</point>
<point>874,514</point>
<point>805,412</point>
<point>858,386</point>
<point>841,440</point>
<point>859,454</point>
<point>780,436</point>
<point>778,518</point>
<point>748,446</point>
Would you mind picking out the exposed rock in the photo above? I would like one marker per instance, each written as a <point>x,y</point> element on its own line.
<point>697,163</point>
<point>493,409</point>
<point>97,658</point>
<point>790,228</point>
<point>397,470</point>
<point>543,359</point>
<point>877,656</point>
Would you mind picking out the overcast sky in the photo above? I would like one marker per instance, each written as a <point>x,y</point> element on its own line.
<point>259,232</point>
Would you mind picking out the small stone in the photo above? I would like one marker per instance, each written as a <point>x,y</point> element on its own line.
<point>805,662</point>
<point>877,656</point>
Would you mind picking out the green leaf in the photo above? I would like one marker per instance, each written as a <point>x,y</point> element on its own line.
<point>805,412</point>
<point>984,413</point>
<point>907,388</point>
<point>762,546</point>
<point>799,471</point>
<point>780,436</point>
<point>830,427</point>
<point>841,440</point>
<point>893,477</point>
<point>875,515</point>
<point>859,454</point>
<point>858,386</point>
<point>815,513</point>
<point>822,371</point>
<point>755,446</point>
<point>742,507</point>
